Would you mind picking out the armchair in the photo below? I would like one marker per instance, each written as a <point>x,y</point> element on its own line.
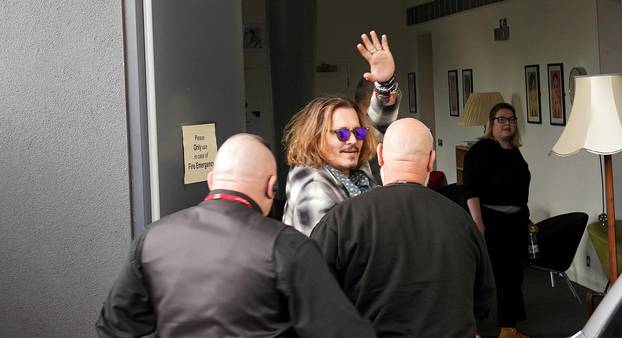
<point>558,239</point>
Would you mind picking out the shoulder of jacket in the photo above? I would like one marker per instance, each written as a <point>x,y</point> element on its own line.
<point>292,237</point>
<point>306,175</point>
<point>484,145</point>
<point>305,172</point>
<point>485,142</point>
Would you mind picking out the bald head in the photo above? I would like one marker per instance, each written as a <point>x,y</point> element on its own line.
<point>407,152</point>
<point>245,164</point>
<point>406,138</point>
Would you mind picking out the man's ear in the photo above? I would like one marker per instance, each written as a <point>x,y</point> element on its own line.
<point>210,180</point>
<point>270,191</point>
<point>431,160</point>
<point>380,154</point>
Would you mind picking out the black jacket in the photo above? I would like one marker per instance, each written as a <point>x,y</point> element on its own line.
<point>222,269</point>
<point>410,260</point>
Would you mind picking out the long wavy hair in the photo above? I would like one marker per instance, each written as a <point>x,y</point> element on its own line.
<point>306,133</point>
<point>491,119</point>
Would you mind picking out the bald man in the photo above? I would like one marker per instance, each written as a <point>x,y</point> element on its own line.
<point>410,260</point>
<point>223,269</point>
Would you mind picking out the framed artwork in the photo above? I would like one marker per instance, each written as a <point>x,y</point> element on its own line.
<point>532,93</point>
<point>557,105</point>
<point>452,79</point>
<point>412,93</point>
<point>467,85</point>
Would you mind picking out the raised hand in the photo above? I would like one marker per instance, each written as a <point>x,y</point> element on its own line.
<point>379,57</point>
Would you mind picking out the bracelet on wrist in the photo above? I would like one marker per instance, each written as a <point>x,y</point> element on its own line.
<point>387,87</point>
<point>387,83</point>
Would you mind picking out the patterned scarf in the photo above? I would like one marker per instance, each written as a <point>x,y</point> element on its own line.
<point>356,184</point>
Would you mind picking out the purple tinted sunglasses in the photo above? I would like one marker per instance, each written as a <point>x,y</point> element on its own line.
<point>343,134</point>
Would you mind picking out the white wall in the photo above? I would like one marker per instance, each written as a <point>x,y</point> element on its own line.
<point>64,183</point>
<point>541,32</point>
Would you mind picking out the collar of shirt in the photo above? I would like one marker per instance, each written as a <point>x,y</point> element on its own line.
<point>355,184</point>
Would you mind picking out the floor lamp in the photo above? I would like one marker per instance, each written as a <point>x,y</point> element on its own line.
<point>595,124</point>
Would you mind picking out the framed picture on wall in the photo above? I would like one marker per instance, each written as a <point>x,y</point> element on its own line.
<point>532,93</point>
<point>452,79</point>
<point>557,105</point>
<point>412,93</point>
<point>467,85</point>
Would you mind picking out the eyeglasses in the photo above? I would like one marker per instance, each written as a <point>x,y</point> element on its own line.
<point>343,134</point>
<point>505,120</point>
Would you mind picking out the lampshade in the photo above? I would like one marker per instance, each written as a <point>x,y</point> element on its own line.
<point>477,108</point>
<point>595,122</point>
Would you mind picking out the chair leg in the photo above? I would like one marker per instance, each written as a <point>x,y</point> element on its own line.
<point>593,298</point>
<point>572,289</point>
<point>552,276</point>
<point>589,299</point>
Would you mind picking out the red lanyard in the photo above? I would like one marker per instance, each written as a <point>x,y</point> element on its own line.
<point>229,197</point>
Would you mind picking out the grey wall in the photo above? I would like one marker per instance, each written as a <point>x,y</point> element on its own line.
<point>610,48</point>
<point>199,76</point>
<point>609,35</point>
<point>64,196</point>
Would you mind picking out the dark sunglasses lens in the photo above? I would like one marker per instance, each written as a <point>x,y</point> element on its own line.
<point>343,134</point>
<point>360,133</point>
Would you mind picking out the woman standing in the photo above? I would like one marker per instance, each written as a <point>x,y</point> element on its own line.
<point>496,180</point>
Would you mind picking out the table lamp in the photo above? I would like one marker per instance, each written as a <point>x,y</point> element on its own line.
<point>477,108</point>
<point>595,124</point>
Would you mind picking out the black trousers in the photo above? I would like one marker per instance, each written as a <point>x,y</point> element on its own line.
<point>506,238</point>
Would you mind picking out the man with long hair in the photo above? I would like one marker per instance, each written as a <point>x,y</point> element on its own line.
<point>331,140</point>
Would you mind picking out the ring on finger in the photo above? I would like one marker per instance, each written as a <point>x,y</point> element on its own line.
<point>373,51</point>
